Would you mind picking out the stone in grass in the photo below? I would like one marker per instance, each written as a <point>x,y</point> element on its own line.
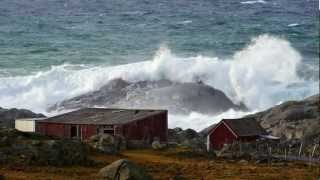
<point>156,145</point>
<point>123,170</point>
<point>243,162</point>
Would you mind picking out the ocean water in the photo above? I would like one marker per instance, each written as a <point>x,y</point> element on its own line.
<point>260,52</point>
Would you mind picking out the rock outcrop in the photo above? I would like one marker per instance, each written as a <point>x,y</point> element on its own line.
<point>162,94</point>
<point>106,143</point>
<point>179,135</point>
<point>187,138</point>
<point>293,119</point>
<point>123,170</point>
<point>7,116</point>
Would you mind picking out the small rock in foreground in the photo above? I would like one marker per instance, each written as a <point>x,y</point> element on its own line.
<point>123,170</point>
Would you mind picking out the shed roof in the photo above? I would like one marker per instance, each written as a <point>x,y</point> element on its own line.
<point>102,116</point>
<point>30,119</point>
<point>245,126</point>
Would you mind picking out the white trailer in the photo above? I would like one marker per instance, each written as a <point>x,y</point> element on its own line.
<point>27,124</point>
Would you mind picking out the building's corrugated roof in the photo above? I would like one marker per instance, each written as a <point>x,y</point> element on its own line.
<point>102,116</point>
<point>30,119</point>
<point>245,126</point>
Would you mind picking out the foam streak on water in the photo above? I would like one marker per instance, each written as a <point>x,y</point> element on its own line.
<point>254,2</point>
<point>261,75</point>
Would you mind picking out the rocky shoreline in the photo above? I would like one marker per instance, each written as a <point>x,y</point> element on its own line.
<point>296,122</point>
<point>293,119</point>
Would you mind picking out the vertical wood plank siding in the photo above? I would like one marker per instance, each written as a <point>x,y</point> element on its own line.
<point>221,135</point>
<point>147,129</point>
<point>63,130</point>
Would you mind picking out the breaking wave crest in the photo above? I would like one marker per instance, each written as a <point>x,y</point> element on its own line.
<point>254,2</point>
<point>261,75</point>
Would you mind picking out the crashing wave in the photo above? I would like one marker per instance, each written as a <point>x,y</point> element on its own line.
<point>261,75</point>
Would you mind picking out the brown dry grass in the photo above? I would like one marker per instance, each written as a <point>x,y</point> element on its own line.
<point>167,164</point>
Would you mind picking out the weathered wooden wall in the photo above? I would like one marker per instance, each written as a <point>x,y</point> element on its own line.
<point>146,129</point>
<point>220,136</point>
<point>63,130</point>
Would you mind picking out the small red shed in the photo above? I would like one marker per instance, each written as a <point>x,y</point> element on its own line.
<point>228,131</point>
<point>134,124</point>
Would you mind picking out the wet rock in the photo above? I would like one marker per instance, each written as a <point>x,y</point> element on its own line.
<point>123,170</point>
<point>179,98</point>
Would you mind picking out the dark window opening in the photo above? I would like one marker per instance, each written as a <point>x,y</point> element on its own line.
<point>73,131</point>
<point>108,131</point>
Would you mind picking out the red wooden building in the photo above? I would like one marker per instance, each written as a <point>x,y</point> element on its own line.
<point>228,131</point>
<point>134,125</point>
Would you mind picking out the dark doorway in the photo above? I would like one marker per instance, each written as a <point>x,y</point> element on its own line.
<point>73,131</point>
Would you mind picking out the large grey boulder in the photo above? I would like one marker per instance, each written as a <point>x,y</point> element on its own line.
<point>179,98</point>
<point>123,170</point>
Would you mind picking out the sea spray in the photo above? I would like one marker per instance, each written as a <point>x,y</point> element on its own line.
<point>261,75</point>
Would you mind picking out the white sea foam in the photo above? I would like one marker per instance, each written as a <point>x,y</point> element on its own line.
<point>185,22</point>
<point>199,121</point>
<point>260,75</point>
<point>254,2</point>
<point>293,25</point>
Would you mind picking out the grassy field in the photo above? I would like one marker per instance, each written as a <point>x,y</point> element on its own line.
<point>170,163</point>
